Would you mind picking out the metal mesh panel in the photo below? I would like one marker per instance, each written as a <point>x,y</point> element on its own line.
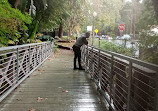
<point>16,63</point>
<point>126,83</point>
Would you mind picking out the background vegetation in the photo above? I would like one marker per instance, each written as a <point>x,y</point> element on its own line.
<point>22,20</point>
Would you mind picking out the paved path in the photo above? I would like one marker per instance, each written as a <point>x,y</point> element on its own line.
<point>55,87</point>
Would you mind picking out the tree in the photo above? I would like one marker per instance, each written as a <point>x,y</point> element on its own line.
<point>148,17</point>
<point>126,17</point>
<point>108,11</point>
<point>49,17</point>
<point>155,2</point>
<point>16,3</point>
<point>13,23</point>
<point>75,16</point>
<point>148,40</point>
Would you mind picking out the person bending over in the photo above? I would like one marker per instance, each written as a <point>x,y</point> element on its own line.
<point>77,51</point>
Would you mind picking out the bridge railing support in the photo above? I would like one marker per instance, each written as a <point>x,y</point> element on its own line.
<point>126,83</point>
<point>18,62</point>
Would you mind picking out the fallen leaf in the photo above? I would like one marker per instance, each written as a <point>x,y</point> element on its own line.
<point>32,109</point>
<point>18,99</point>
<point>35,75</point>
<point>65,91</point>
<point>93,73</point>
<point>39,99</point>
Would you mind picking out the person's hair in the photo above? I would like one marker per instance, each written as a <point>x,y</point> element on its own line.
<point>87,33</point>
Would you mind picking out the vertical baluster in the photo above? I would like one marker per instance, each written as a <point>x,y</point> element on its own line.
<point>29,59</point>
<point>17,75</point>
<point>99,65</point>
<point>92,62</point>
<point>41,52</point>
<point>156,92</point>
<point>111,80</point>
<point>86,59</point>
<point>129,85</point>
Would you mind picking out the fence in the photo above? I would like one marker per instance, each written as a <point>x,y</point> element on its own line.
<point>18,62</point>
<point>127,84</point>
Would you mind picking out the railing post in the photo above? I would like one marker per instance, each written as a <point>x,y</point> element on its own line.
<point>29,58</point>
<point>41,52</point>
<point>53,46</point>
<point>17,78</point>
<point>45,55</point>
<point>99,66</point>
<point>111,80</point>
<point>129,85</point>
<point>92,62</point>
<point>36,56</point>
<point>86,59</point>
<point>125,42</point>
<point>156,93</point>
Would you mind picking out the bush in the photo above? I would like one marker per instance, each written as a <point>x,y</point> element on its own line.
<point>66,38</point>
<point>105,45</point>
<point>148,46</point>
<point>45,38</point>
<point>12,23</point>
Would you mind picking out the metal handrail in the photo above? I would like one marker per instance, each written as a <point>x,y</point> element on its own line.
<point>18,62</point>
<point>136,61</point>
<point>20,46</point>
<point>139,77</point>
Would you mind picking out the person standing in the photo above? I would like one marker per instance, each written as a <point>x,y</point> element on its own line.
<point>77,51</point>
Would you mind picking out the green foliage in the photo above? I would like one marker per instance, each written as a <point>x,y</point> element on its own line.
<point>12,23</point>
<point>105,45</point>
<point>49,17</point>
<point>148,41</point>
<point>148,47</point>
<point>75,16</point>
<point>55,48</point>
<point>109,46</point>
<point>148,17</point>
<point>33,29</point>
<point>108,11</point>
<point>126,16</point>
<point>45,38</point>
<point>66,38</point>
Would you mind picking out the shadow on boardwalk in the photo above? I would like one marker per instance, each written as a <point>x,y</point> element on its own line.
<point>55,87</point>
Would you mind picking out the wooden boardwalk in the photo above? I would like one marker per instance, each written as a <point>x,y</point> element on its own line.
<point>55,87</point>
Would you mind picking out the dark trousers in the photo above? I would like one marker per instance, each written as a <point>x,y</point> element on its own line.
<point>77,54</point>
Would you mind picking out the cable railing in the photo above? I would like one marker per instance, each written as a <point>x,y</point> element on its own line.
<point>18,62</point>
<point>126,83</point>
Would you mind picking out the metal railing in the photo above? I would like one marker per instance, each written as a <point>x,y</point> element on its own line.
<point>126,83</point>
<point>18,62</point>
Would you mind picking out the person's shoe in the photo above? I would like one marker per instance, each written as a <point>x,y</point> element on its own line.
<point>75,68</point>
<point>81,68</point>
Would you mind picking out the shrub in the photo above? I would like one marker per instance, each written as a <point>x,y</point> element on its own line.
<point>105,45</point>
<point>12,23</point>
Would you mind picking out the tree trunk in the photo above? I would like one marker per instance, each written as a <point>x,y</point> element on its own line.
<point>34,30</point>
<point>78,33</point>
<point>60,34</point>
<point>69,33</point>
<point>16,4</point>
<point>155,3</point>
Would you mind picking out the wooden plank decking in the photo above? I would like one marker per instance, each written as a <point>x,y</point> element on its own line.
<point>55,87</point>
